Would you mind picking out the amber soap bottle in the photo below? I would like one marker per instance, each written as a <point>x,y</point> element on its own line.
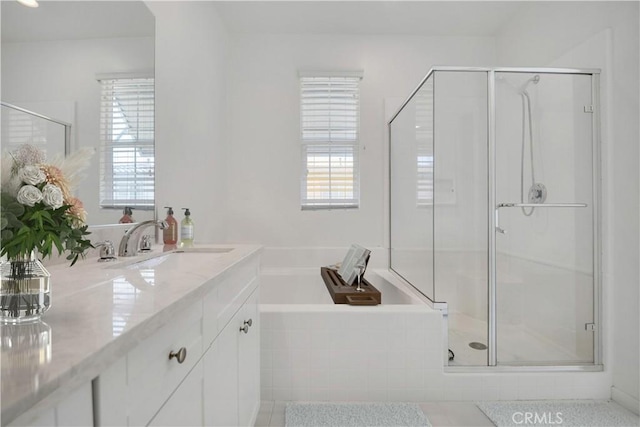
<point>170,234</point>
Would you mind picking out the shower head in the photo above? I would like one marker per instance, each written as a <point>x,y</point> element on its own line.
<point>535,79</point>
<point>523,87</point>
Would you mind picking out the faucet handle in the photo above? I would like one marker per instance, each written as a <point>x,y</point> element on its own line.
<point>145,243</point>
<point>107,251</point>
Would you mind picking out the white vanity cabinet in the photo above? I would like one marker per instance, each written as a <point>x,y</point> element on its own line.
<point>75,410</point>
<point>153,374</point>
<point>220,365</point>
<point>154,340</point>
<point>134,389</point>
<point>184,407</point>
<point>217,382</point>
<point>232,369</point>
<point>249,362</point>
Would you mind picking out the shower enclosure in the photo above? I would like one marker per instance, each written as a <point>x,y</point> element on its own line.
<point>494,211</point>
<point>21,126</point>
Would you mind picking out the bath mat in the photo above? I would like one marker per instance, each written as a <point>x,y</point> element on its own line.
<point>308,414</point>
<point>570,413</point>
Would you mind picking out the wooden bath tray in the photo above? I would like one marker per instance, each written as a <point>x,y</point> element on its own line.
<point>341,293</point>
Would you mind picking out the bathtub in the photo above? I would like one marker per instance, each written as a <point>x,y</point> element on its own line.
<point>313,349</point>
<point>305,286</point>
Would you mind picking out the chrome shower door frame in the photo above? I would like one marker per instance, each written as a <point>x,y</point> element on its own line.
<point>67,126</point>
<point>493,207</point>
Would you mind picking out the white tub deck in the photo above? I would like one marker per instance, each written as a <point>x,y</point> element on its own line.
<point>313,349</point>
<point>305,286</point>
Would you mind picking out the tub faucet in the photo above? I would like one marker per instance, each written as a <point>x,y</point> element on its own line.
<point>131,249</point>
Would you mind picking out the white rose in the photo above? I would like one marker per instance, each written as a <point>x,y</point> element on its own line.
<point>29,195</point>
<point>52,196</point>
<point>31,175</point>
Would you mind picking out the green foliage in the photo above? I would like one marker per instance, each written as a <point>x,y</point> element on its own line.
<point>27,228</point>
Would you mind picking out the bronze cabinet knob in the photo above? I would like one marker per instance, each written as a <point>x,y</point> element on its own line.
<point>180,356</point>
<point>245,327</point>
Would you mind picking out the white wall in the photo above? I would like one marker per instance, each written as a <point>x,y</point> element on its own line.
<point>257,161</point>
<point>63,72</point>
<point>264,150</point>
<point>548,33</point>
<point>191,51</point>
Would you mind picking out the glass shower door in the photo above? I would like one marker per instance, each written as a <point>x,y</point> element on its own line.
<point>545,259</point>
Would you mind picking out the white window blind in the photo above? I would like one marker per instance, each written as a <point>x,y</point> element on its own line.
<point>330,121</point>
<point>127,160</point>
<point>424,146</point>
<point>424,185</point>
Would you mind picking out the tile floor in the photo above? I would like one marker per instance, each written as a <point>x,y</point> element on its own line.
<point>440,414</point>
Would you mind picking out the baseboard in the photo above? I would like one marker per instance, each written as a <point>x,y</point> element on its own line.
<point>626,400</point>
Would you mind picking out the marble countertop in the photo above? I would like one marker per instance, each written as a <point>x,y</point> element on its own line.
<point>99,311</point>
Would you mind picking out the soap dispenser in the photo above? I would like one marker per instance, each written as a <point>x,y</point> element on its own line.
<point>170,233</point>
<point>127,217</point>
<point>186,229</point>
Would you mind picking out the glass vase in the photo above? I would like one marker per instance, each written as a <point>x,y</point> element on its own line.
<point>24,290</point>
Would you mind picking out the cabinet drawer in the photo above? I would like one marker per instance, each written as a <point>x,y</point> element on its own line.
<point>76,409</point>
<point>184,407</point>
<point>151,375</point>
<point>221,304</point>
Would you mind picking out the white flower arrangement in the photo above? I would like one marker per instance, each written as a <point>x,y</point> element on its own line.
<point>38,208</point>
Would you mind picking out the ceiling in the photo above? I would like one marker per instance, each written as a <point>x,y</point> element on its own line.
<point>427,18</point>
<point>67,20</point>
<point>62,20</point>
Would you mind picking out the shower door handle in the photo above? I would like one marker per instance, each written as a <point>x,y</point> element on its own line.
<point>498,228</point>
<point>541,205</point>
<point>531,205</point>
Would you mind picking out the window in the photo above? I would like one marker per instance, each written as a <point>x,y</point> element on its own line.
<point>424,184</point>
<point>330,121</point>
<point>127,160</point>
<point>424,146</point>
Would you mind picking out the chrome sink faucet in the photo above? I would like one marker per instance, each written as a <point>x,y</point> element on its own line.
<point>107,251</point>
<point>131,240</point>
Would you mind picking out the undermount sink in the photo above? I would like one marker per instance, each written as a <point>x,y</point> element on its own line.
<point>151,260</point>
<point>203,250</point>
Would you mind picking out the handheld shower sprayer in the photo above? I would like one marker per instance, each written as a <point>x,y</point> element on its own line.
<point>537,190</point>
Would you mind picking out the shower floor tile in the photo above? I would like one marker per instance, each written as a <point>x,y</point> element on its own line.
<point>515,344</point>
